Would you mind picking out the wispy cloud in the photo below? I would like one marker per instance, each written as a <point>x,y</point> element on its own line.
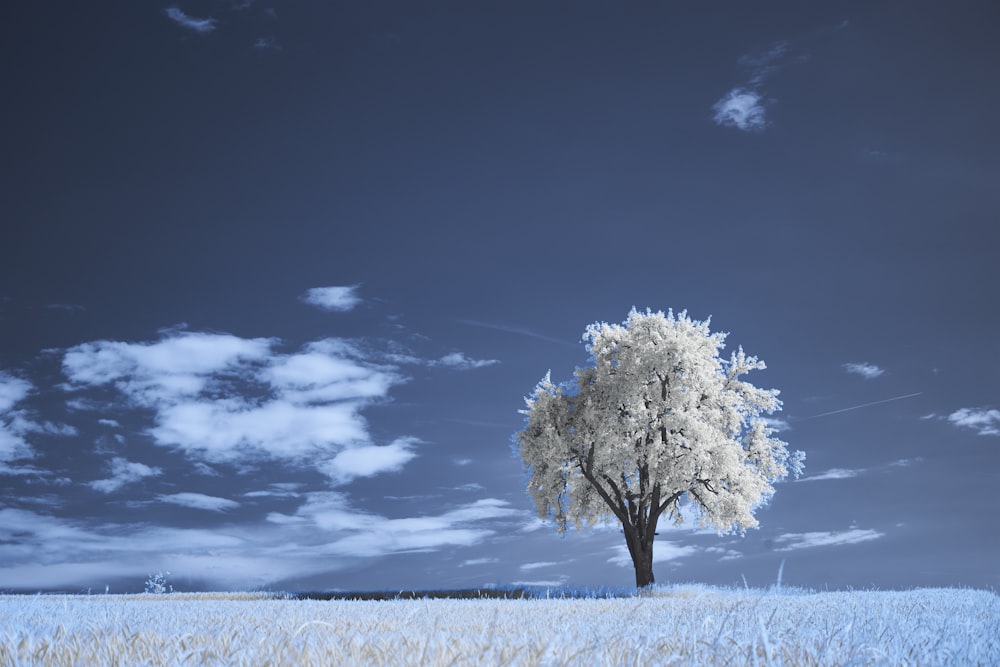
<point>18,423</point>
<point>744,106</point>
<point>459,361</point>
<point>41,551</point>
<point>864,369</point>
<point>832,473</point>
<point>662,552</point>
<point>741,108</point>
<point>361,535</point>
<point>537,566</point>
<point>984,421</point>
<point>777,424</point>
<point>335,299</point>
<point>124,472</point>
<point>200,26</point>
<point>266,44</point>
<point>199,501</point>
<point>850,473</point>
<point>793,541</point>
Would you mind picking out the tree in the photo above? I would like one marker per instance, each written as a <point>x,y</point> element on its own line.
<point>657,419</point>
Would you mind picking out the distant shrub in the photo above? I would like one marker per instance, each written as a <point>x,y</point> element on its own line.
<point>157,584</point>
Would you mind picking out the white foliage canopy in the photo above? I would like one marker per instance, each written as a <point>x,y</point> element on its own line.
<point>658,418</point>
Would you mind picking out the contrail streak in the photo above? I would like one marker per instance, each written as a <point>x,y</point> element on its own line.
<point>865,405</point>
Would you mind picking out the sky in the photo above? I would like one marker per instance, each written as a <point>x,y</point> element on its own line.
<point>276,277</point>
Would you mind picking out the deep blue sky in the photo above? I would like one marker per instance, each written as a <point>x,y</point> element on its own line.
<point>481,181</point>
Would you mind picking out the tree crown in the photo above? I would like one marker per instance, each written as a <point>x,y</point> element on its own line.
<point>657,418</point>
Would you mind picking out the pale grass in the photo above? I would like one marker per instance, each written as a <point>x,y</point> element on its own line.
<point>681,626</point>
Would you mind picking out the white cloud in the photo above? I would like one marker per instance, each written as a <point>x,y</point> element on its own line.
<point>461,362</point>
<point>200,26</point>
<point>17,423</point>
<point>792,541</point>
<point>536,566</point>
<point>543,583</point>
<point>741,108</point>
<point>199,501</point>
<point>177,366</point>
<point>865,370</point>
<point>662,552</point>
<point>41,551</point>
<point>478,561</point>
<point>370,460</point>
<point>124,472</point>
<point>336,299</point>
<point>110,423</point>
<point>13,424</point>
<point>356,534</point>
<point>777,424</point>
<point>984,421</point>
<point>832,473</point>
<point>724,554</point>
<point>471,486</point>
<point>230,430</point>
<point>13,390</point>
<point>221,398</point>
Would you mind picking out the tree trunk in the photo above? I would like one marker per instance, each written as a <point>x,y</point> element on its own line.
<point>642,559</point>
<point>641,551</point>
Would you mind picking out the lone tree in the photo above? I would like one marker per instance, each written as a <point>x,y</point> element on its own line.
<point>658,418</point>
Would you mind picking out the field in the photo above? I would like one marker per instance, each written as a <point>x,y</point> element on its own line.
<point>673,625</point>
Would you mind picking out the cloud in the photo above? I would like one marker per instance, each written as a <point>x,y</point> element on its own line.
<point>44,552</point>
<point>359,535</point>
<point>792,541</point>
<point>662,552</point>
<point>459,361</point>
<point>200,26</point>
<point>777,424</point>
<point>336,299</point>
<point>865,370</point>
<point>17,423</point>
<point>478,561</point>
<point>724,554</point>
<point>832,473</point>
<point>850,473</point>
<point>367,461</point>
<point>536,566</point>
<point>984,421</point>
<point>221,398</point>
<point>741,108</point>
<point>177,366</point>
<point>13,390</point>
<point>13,425</point>
<point>123,472</point>
<point>199,501</point>
<point>266,44</point>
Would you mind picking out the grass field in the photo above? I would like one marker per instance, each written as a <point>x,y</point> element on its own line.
<point>674,625</point>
